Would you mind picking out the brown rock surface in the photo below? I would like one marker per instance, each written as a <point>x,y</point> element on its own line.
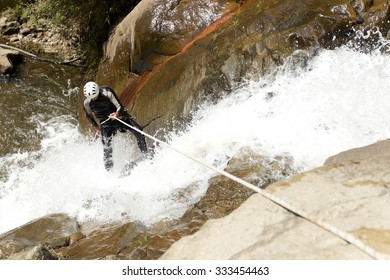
<point>47,232</point>
<point>350,193</point>
<point>8,58</point>
<point>158,70</point>
<point>247,40</point>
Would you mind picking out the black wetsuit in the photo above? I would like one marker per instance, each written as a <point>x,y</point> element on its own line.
<point>106,103</point>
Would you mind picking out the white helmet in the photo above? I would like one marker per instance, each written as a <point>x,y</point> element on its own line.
<point>91,90</point>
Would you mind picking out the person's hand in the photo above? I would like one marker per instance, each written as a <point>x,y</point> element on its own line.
<point>114,115</point>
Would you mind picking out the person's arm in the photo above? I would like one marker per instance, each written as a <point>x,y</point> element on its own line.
<point>89,114</point>
<point>115,100</point>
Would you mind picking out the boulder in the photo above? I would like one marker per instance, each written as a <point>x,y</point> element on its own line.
<point>38,252</point>
<point>105,242</point>
<point>34,238</point>
<point>8,27</point>
<point>8,59</point>
<point>349,193</point>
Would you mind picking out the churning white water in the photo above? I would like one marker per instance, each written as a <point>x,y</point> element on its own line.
<point>341,100</point>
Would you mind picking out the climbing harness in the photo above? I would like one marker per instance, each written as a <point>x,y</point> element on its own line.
<point>302,213</point>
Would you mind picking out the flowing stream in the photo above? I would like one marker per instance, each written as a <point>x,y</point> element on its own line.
<point>339,100</point>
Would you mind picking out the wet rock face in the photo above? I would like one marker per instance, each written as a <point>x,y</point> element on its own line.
<point>152,32</point>
<point>203,60</point>
<point>174,21</point>
<point>372,13</point>
<point>169,26</point>
<point>214,63</point>
<point>224,195</point>
<point>191,59</point>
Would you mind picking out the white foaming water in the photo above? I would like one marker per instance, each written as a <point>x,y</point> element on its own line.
<point>340,101</point>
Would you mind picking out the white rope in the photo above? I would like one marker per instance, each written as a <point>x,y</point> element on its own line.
<point>105,121</point>
<point>300,212</point>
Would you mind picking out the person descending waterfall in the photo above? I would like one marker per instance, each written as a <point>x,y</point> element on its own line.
<point>102,103</point>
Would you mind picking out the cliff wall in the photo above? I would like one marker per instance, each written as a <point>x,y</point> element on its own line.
<point>167,57</point>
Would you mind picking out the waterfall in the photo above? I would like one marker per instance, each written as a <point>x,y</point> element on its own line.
<point>338,101</point>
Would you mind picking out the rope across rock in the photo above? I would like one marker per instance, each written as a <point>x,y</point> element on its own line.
<point>286,205</point>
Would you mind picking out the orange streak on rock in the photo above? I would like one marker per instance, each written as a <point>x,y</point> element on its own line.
<point>130,92</point>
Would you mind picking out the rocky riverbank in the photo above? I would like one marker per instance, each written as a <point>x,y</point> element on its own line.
<point>41,39</point>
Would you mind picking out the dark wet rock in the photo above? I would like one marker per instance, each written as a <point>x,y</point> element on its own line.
<point>224,195</point>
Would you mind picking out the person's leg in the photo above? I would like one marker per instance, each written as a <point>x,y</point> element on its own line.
<point>140,137</point>
<point>107,135</point>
